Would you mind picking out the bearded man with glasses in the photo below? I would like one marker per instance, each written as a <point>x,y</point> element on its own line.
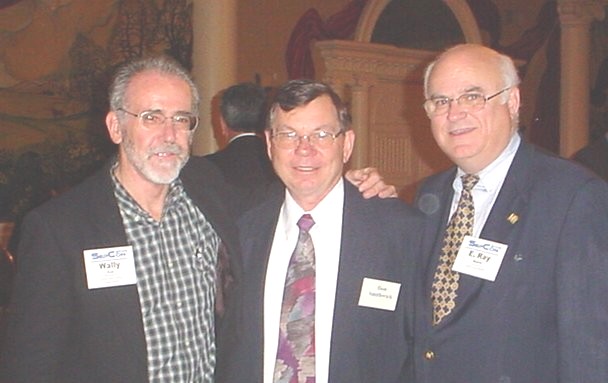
<point>118,278</point>
<point>512,281</point>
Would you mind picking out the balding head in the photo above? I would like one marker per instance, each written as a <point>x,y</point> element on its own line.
<point>473,104</point>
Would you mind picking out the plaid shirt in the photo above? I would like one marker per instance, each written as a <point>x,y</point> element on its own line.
<point>175,262</point>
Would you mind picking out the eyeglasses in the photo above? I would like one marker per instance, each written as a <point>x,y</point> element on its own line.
<point>471,102</point>
<point>153,119</point>
<point>291,140</point>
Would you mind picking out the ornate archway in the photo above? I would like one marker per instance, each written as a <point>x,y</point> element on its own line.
<point>460,8</point>
<point>383,85</point>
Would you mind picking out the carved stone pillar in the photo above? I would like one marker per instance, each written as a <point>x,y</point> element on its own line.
<point>383,85</point>
<point>360,115</point>
<point>354,92</point>
<point>214,25</point>
<point>575,19</point>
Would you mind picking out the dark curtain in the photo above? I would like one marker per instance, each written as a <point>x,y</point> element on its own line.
<point>311,27</point>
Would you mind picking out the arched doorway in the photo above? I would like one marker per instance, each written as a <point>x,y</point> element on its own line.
<point>383,84</point>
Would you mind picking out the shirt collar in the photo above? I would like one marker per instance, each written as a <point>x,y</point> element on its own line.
<point>245,134</point>
<point>130,207</point>
<point>492,176</point>
<point>330,205</point>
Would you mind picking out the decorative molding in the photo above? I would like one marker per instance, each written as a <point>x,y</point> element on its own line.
<point>361,58</point>
<point>394,152</point>
<point>466,19</point>
<point>367,22</point>
<point>573,12</point>
<point>383,85</point>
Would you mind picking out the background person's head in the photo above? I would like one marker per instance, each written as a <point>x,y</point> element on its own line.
<point>309,139</point>
<point>153,114</point>
<point>243,108</point>
<point>473,103</point>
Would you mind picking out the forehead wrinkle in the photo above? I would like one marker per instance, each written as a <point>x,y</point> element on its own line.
<point>473,89</point>
<point>470,89</point>
<point>166,112</point>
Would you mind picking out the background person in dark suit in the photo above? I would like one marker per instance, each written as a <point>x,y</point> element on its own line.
<point>155,218</point>
<point>595,156</point>
<point>310,140</point>
<point>244,162</point>
<point>544,318</point>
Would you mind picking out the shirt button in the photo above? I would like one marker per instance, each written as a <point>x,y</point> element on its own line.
<point>179,304</point>
<point>429,355</point>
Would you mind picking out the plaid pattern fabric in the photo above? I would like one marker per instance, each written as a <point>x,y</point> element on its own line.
<point>445,281</point>
<point>175,262</point>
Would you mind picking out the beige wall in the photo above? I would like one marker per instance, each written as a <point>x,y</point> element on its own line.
<point>264,30</point>
<point>516,16</point>
<point>264,27</point>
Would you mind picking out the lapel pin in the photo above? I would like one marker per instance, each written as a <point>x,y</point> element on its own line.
<point>513,218</point>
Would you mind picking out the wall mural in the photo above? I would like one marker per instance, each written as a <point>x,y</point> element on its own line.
<point>56,59</point>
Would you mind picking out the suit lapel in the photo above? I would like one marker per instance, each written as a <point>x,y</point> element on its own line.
<point>513,198</point>
<point>435,203</point>
<point>122,302</point>
<point>348,283</point>
<point>499,227</point>
<point>257,233</point>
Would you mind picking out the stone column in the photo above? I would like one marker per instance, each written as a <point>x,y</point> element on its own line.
<point>575,20</point>
<point>360,116</point>
<point>214,25</point>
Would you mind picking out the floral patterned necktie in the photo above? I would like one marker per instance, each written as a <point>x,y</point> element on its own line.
<point>296,352</point>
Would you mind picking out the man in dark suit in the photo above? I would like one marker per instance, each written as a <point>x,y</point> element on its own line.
<point>364,253</point>
<point>117,278</point>
<point>595,156</point>
<point>525,300</point>
<point>244,161</point>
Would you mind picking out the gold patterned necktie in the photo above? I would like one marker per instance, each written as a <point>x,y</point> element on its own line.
<point>445,281</point>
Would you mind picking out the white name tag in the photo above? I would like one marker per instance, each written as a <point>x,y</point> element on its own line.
<point>379,294</point>
<point>480,258</point>
<point>109,267</point>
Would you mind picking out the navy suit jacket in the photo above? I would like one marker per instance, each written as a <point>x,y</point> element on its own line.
<point>246,166</point>
<point>545,317</point>
<point>60,331</point>
<point>595,157</point>
<point>380,239</point>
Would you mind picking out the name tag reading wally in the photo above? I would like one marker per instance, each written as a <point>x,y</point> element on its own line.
<point>379,294</point>
<point>109,267</point>
<point>480,258</point>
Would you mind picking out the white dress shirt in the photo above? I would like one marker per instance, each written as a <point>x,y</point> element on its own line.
<point>244,134</point>
<point>326,236</point>
<point>486,190</point>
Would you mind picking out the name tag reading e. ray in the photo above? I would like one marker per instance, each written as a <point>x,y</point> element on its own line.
<point>479,258</point>
<point>109,267</point>
<point>379,294</point>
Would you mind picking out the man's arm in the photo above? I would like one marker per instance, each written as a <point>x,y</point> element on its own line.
<point>370,183</point>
